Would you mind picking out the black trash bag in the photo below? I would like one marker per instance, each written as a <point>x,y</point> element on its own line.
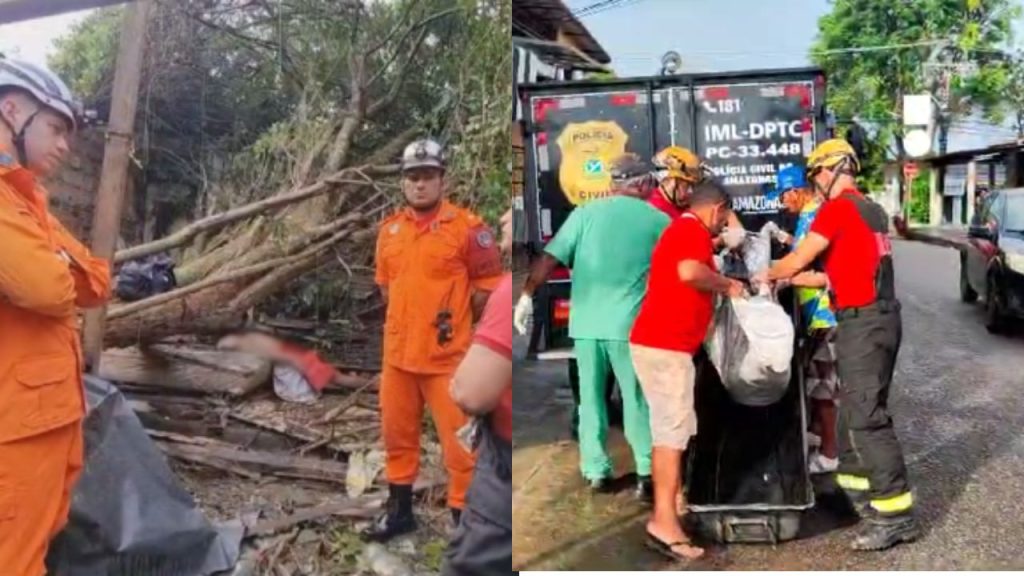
<point>129,516</point>
<point>140,279</point>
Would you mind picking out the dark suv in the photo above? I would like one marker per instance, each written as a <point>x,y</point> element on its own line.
<point>992,263</point>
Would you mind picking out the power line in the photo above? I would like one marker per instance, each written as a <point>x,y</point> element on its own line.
<point>850,50</point>
<point>602,6</point>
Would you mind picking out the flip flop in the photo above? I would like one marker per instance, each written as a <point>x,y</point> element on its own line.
<point>666,549</point>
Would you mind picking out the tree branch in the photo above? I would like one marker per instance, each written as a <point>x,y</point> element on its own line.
<point>423,34</point>
<point>324,186</point>
<point>394,31</point>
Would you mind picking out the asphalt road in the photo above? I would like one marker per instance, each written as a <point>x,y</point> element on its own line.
<point>958,404</point>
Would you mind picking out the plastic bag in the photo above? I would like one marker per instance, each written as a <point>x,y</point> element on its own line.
<point>140,279</point>
<point>751,345</point>
<point>757,251</point>
<point>129,516</point>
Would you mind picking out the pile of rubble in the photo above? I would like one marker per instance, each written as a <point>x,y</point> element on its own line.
<point>301,471</point>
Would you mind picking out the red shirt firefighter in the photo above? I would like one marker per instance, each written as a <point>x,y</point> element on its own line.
<point>45,276</point>
<point>436,265</point>
<point>851,233</point>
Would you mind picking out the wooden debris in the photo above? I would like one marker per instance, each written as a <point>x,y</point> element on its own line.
<point>356,508</point>
<point>353,398</point>
<point>203,451</point>
<point>186,368</point>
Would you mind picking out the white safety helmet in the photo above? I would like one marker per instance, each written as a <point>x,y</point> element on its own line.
<point>42,84</point>
<point>423,154</point>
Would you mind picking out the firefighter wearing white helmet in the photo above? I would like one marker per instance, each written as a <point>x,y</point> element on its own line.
<point>45,277</point>
<point>437,263</point>
<point>38,116</point>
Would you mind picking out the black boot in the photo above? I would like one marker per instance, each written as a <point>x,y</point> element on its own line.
<point>860,503</point>
<point>397,518</point>
<point>601,485</point>
<point>456,515</point>
<point>644,489</point>
<point>882,532</point>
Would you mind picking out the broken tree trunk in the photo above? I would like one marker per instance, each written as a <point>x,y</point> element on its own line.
<point>183,236</point>
<point>182,368</point>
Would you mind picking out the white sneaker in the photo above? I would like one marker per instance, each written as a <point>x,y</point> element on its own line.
<point>821,464</point>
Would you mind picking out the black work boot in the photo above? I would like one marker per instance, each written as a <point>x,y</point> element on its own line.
<point>860,502</point>
<point>456,515</point>
<point>879,532</point>
<point>644,489</point>
<point>397,518</point>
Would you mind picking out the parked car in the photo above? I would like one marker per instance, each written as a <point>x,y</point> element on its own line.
<point>992,263</point>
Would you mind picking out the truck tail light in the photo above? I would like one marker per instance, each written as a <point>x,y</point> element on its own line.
<point>560,317</point>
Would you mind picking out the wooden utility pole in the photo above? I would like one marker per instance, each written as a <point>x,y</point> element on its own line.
<point>106,223</point>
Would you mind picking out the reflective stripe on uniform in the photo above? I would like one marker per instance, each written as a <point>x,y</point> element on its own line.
<point>851,482</point>
<point>900,503</point>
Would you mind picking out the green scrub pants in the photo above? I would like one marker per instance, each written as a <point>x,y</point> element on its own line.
<point>595,358</point>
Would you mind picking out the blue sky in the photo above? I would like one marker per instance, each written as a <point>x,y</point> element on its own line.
<point>720,35</point>
<point>711,35</point>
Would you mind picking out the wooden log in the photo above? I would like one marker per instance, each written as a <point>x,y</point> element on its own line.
<point>265,462</point>
<point>201,313</point>
<point>356,508</point>
<point>186,368</point>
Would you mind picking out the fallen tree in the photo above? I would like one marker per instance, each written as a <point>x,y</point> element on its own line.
<point>330,165</point>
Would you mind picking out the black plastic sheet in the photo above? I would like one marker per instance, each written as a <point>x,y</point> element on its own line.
<point>129,516</point>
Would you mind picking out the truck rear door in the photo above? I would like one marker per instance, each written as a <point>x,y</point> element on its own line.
<point>748,129</point>
<point>574,137</point>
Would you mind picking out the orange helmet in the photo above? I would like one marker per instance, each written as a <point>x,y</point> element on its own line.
<point>678,162</point>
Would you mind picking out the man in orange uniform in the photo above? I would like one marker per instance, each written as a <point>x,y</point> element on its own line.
<point>45,275</point>
<point>436,265</point>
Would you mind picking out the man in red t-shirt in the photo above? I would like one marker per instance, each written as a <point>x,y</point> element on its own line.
<point>851,232</point>
<point>672,323</point>
<point>482,387</point>
<point>678,170</point>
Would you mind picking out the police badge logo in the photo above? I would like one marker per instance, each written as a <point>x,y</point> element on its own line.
<point>485,239</point>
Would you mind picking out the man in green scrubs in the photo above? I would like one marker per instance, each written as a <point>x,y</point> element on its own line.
<point>608,244</point>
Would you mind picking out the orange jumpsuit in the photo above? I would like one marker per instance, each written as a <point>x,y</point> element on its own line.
<point>45,275</point>
<point>427,267</point>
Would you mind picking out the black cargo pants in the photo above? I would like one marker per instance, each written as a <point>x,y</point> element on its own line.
<point>870,457</point>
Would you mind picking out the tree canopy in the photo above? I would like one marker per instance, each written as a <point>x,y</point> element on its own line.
<point>877,51</point>
<point>232,92</point>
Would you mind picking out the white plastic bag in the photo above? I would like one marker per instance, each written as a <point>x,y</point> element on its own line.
<point>751,345</point>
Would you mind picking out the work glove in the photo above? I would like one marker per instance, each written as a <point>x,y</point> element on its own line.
<point>733,237</point>
<point>522,317</point>
<point>780,235</point>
